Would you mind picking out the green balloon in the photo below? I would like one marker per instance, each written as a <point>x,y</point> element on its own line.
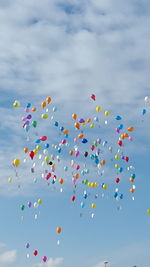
<point>34,124</point>
<point>22,207</point>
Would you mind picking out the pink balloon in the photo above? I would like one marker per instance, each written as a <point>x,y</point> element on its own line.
<point>44,258</point>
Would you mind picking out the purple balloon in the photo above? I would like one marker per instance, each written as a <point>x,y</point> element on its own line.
<point>27,245</point>
<point>29,204</point>
<point>27,123</point>
<point>29,116</point>
<point>99,140</point>
<point>23,118</point>
<point>81,120</point>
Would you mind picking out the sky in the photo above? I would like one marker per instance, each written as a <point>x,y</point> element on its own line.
<point>69,50</point>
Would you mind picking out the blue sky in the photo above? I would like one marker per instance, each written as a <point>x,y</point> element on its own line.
<point>68,50</point>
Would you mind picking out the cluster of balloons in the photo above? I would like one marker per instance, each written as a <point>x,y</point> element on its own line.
<point>90,151</point>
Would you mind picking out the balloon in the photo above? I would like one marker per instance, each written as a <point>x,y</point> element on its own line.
<point>29,204</point>
<point>44,116</point>
<point>27,245</point>
<point>44,259</point>
<point>35,252</point>
<point>120,143</point>
<point>117,180</point>
<point>48,99</point>
<point>65,131</point>
<point>27,128</point>
<point>22,207</point>
<point>34,124</point>
<point>106,113</point>
<point>58,230</point>
<point>144,111</point>
<point>25,150</point>
<point>74,116</point>
<point>31,154</point>
<point>40,201</point>
<point>29,116</point>
<point>56,123</point>
<point>33,109</point>
<point>103,162</point>
<point>73,198</point>
<point>104,186</point>
<point>77,125</point>
<point>118,118</point>
<point>81,120</point>
<point>85,154</point>
<point>98,108</point>
<point>84,140</point>
<point>16,162</point>
<point>61,181</point>
<point>148,211</point>
<point>16,104</point>
<point>130,129</point>
<point>93,97</point>
<point>43,104</point>
<point>43,138</point>
<point>93,205</point>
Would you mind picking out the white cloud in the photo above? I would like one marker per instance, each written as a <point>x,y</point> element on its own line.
<point>50,263</point>
<point>8,257</point>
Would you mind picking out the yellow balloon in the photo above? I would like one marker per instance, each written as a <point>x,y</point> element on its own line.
<point>92,126</point>
<point>148,211</point>
<point>93,205</point>
<point>40,201</point>
<point>38,147</point>
<point>98,108</point>
<point>105,187</point>
<point>106,113</point>
<point>16,162</point>
<point>116,166</point>
<point>47,159</point>
<point>44,116</point>
<point>35,151</point>
<point>10,180</point>
<point>116,157</point>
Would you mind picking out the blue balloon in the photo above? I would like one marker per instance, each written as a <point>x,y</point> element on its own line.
<point>28,105</point>
<point>37,141</point>
<point>116,194</point>
<point>118,118</point>
<point>133,175</point>
<point>144,111</point>
<point>85,195</point>
<point>120,127</point>
<point>59,150</point>
<point>121,196</point>
<point>56,123</point>
<point>84,141</point>
<point>62,128</point>
<point>120,169</point>
<point>47,145</point>
<point>82,205</point>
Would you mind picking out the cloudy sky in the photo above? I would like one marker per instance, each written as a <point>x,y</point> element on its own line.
<point>69,50</point>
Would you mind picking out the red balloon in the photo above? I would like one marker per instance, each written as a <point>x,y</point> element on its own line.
<point>43,138</point>
<point>73,198</point>
<point>117,180</point>
<point>120,143</point>
<point>31,154</point>
<point>35,252</point>
<point>127,159</point>
<point>93,97</point>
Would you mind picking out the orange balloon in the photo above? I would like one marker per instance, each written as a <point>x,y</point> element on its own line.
<point>74,116</point>
<point>131,180</point>
<point>130,129</point>
<point>132,190</point>
<point>126,135</point>
<point>48,99</point>
<point>70,152</point>
<point>65,131</point>
<point>103,162</point>
<point>88,120</point>
<point>33,109</point>
<point>61,181</point>
<point>43,104</point>
<point>25,150</point>
<point>122,136</point>
<point>80,136</point>
<point>58,230</point>
<point>77,125</point>
<point>76,175</point>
